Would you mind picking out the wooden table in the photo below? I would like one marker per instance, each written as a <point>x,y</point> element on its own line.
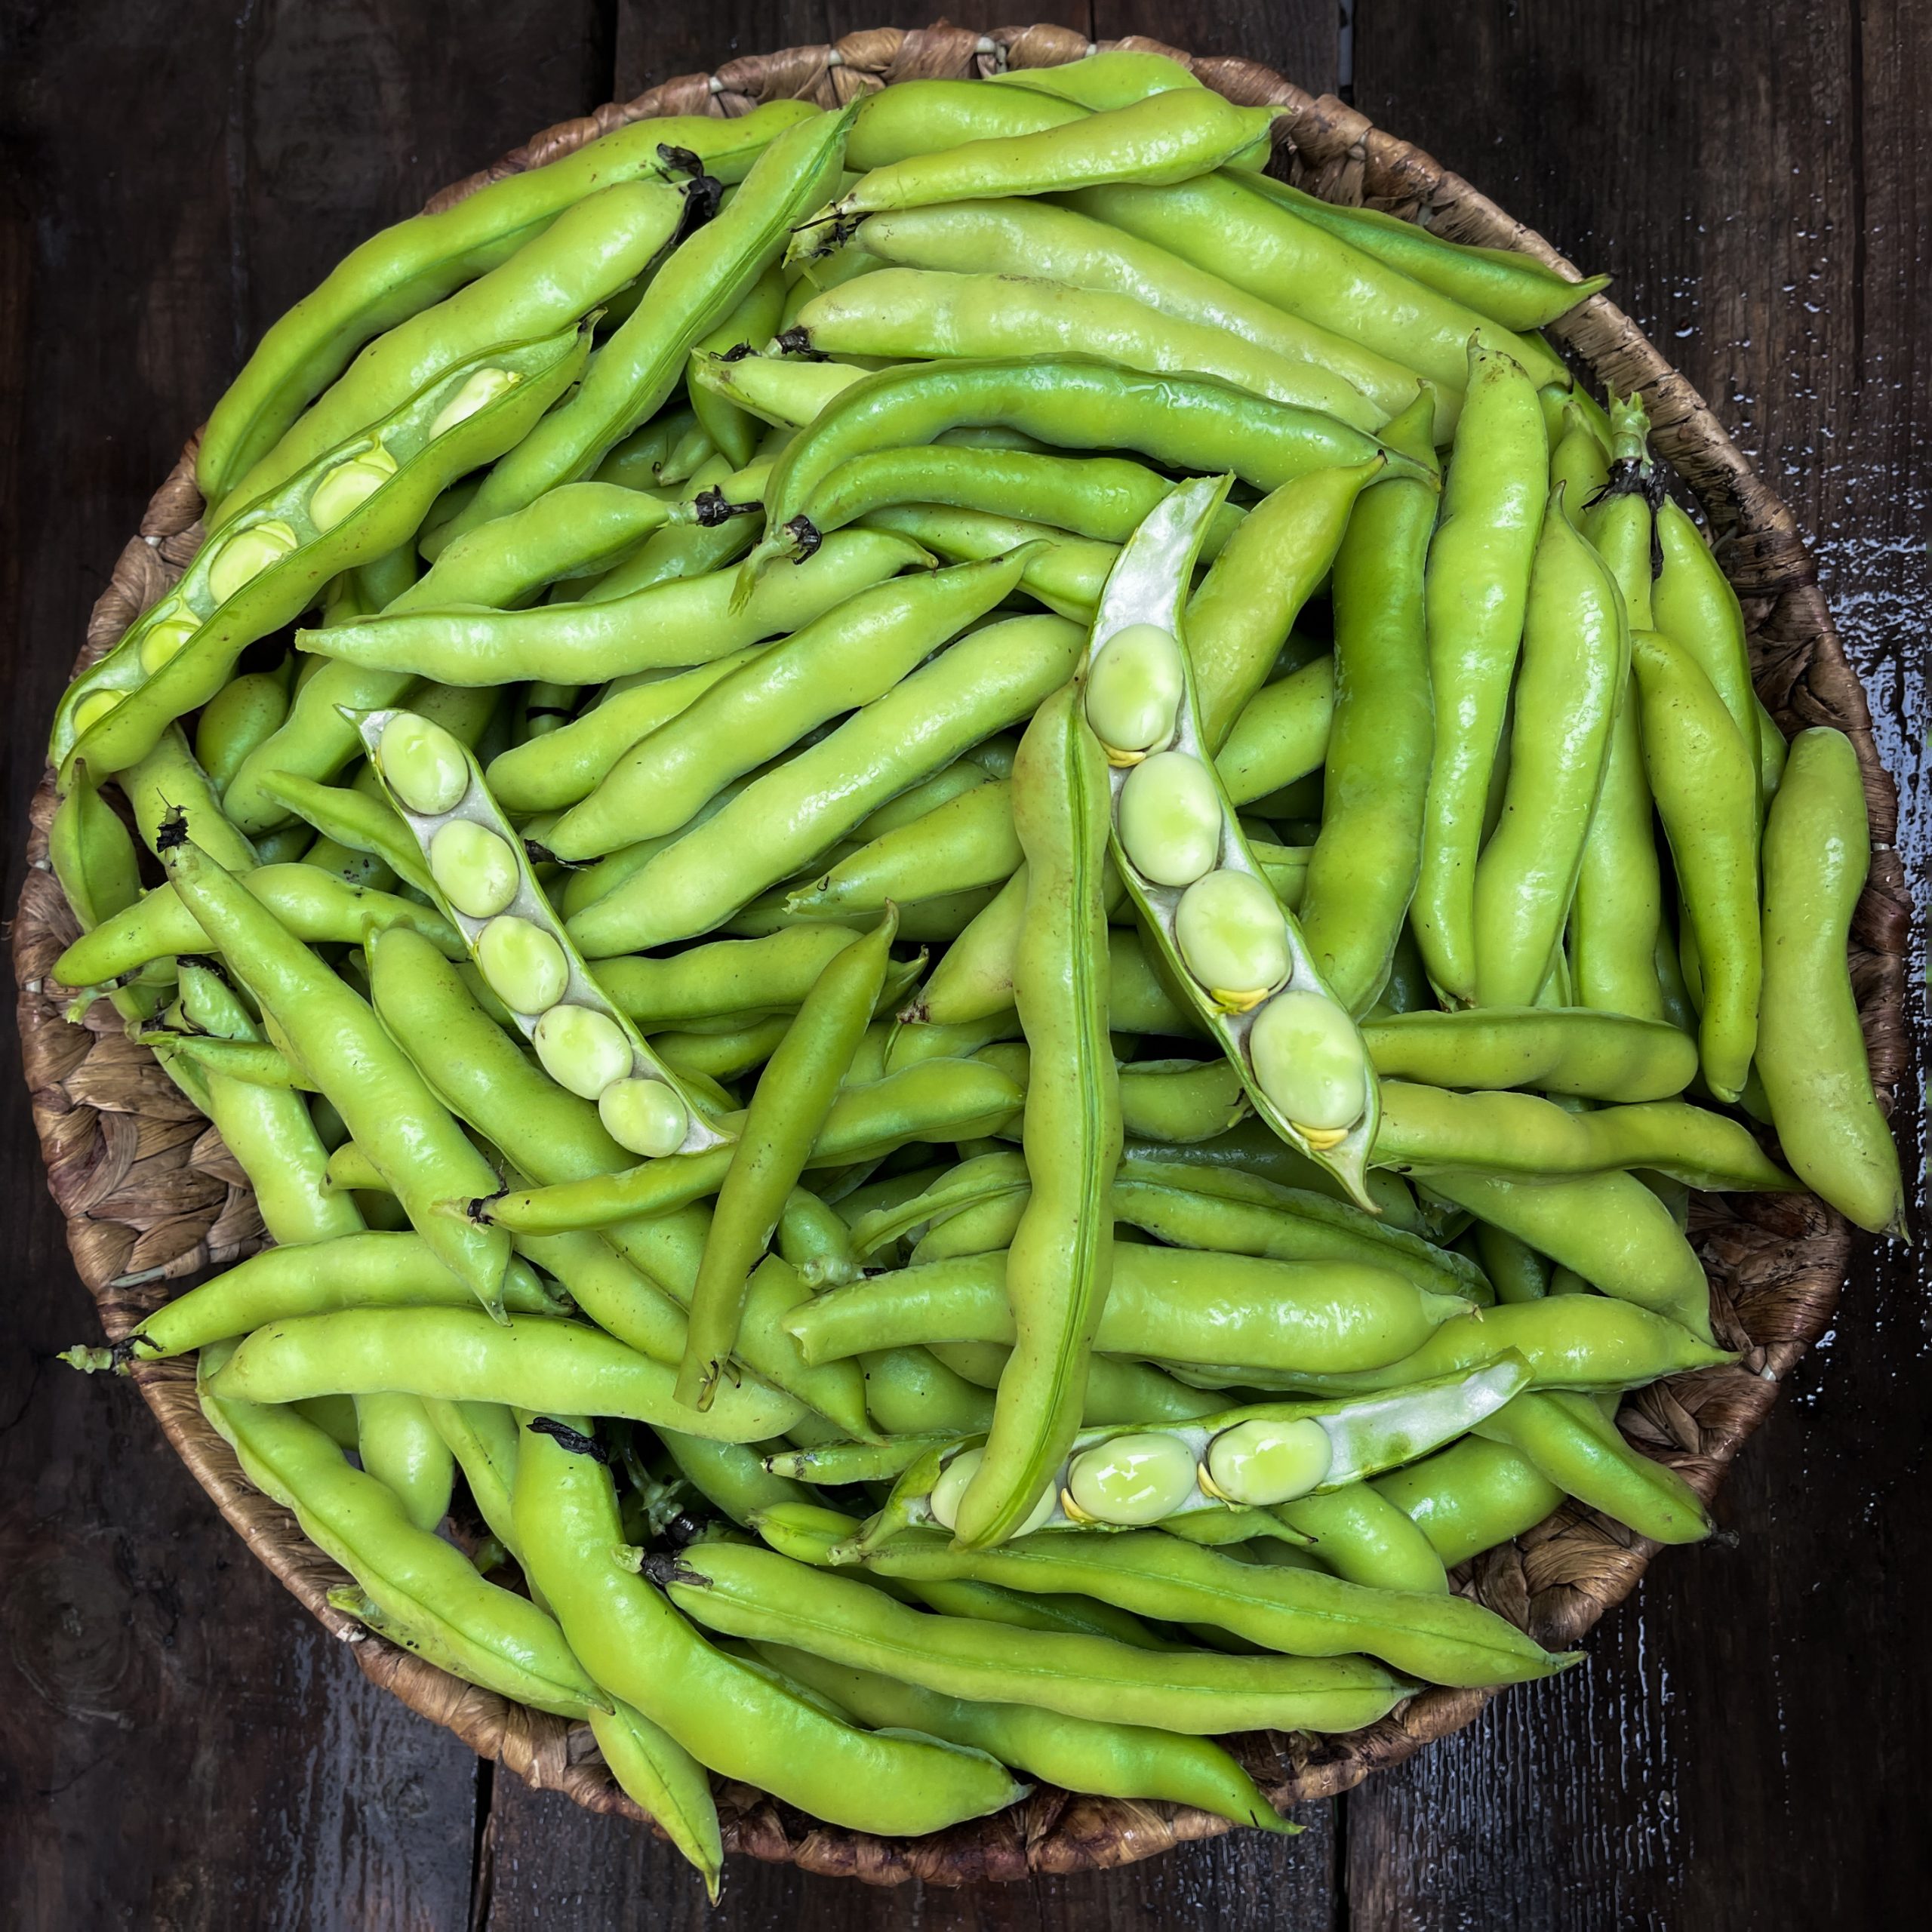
<point>179,1747</point>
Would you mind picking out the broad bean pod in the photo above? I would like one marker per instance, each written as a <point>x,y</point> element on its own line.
<point>746,1592</point>
<point>1170,1304</point>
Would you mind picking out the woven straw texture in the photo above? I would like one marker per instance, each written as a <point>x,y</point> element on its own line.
<point>152,1197</point>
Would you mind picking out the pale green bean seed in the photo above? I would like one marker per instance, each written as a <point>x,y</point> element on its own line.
<point>1170,818</point>
<point>1134,689</point>
<point>349,486</point>
<point>1308,1058</point>
<point>644,1116</point>
<point>93,707</point>
<point>1231,933</point>
<point>1262,1464</point>
<point>582,1049</point>
<point>474,868</point>
<point>524,966</point>
<point>160,641</point>
<point>955,1478</point>
<point>246,554</point>
<point>1134,1479</point>
<point>481,389</point>
<point>424,764</point>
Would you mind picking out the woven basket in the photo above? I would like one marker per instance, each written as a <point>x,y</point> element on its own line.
<point>152,1196</point>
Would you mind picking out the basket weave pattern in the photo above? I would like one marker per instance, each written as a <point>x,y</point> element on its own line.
<point>152,1196</point>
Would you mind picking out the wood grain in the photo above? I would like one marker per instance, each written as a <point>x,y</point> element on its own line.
<point>179,1747</point>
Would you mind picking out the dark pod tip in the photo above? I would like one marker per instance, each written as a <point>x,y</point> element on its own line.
<point>575,1440</point>
<point>172,832</point>
<point>713,508</point>
<point>703,194</point>
<point>680,161</point>
<point>806,535</point>
<point>665,1568</point>
<point>797,343</point>
<point>736,352</point>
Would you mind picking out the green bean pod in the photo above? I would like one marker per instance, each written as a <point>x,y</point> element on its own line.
<point>1233,949</point>
<point>855,654</point>
<point>1607,1227</point>
<point>1596,1055</point>
<point>356,500</point>
<point>1029,237</point>
<point>1585,1342</point>
<point>555,282</point>
<point>1300,1612</point>
<point>968,841</point>
<point>1366,1540</point>
<point>1362,873</point>
<point>397,1443</point>
<point>740,1721</point>
<point>1065,573</point>
<point>1513,289</point>
<point>269,1132</point>
<point>665,623</point>
<point>306,903</point>
<point>486,886</point>
<point>981,685</point>
<point>1224,224</point>
<point>1060,1261</point>
<point>704,279</point>
<point>389,1109</point>
<point>940,1100</point>
<point>246,711</point>
<point>746,1592</point>
<point>1576,667</point>
<point>1810,1047</point>
<point>1169,1304</point>
<point>1470,1496</point>
<point>1078,402</point>
<point>406,267</point>
<point>356,1270</point>
<point>493,1636</point>
<point>1692,604</point>
<point>924,117</point>
<point>1164,137</point>
<point>1571,1441</point>
<point>1475,590</point>
<point>1100,498</point>
<point>795,1096</point>
<point>1106,1758</point>
<point>754,319</point>
<point>910,312</point>
<point>1113,77</point>
<point>1430,1127</point>
<point>1704,781</point>
<point>566,765</point>
<point>459,1354</point>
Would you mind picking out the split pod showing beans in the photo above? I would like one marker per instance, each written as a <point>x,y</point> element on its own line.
<point>1250,1458</point>
<point>1234,948</point>
<point>356,502</point>
<point>483,882</point>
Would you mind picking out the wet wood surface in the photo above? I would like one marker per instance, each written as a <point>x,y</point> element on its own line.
<point>179,1747</point>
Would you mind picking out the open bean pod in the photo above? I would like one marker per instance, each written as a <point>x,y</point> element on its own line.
<point>362,498</point>
<point>1235,950</point>
<point>483,882</point>
<point>1255,1457</point>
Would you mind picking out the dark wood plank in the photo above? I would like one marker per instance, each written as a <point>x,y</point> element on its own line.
<point>1754,178</point>
<point>550,1862</point>
<point>179,1745</point>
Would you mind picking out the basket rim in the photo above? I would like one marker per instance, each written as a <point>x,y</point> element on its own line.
<point>1780,1260</point>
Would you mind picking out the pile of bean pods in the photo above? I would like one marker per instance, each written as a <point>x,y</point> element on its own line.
<point>975,954</point>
